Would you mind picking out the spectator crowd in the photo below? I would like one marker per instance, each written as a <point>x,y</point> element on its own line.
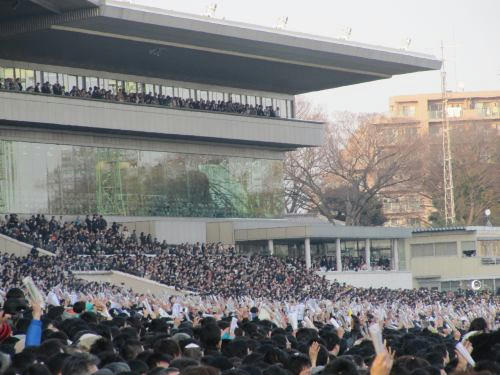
<point>351,263</point>
<point>255,315</point>
<point>144,98</point>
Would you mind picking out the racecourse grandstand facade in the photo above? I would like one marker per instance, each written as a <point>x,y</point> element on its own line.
<point>130,111</point>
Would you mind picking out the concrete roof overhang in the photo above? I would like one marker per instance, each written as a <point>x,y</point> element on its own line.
<point>280,229</point>
<point>123,38</point>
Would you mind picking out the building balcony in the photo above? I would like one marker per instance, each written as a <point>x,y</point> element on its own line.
<point>94,115</point>
<point>467,114</point>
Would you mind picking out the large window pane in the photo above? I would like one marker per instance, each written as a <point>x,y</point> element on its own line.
<point>60,179</point>
<point>381,254</point>
<point>202,95</point>
<point>71,81</point>
<point>91,82</point>
<point>167,91</point>
<point>214,95</point>
<point>26,77</point>
<point>184,93</point>
<point>289,109</point>
<point>110,84</point>
<point>130,87</point>
<point>9,73</point>
<point>50,77</point>
<point>149,89</point>
<point>281,108</point>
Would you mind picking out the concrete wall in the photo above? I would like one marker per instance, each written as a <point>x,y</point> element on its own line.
<point>366,279</point>
<point>180,231</point>
<point>220,232</point>
<point>11,132</point>
<point>11,246</point>
<point>173,230</point>
<point>453,267</point>
<point>137,284</point>
<point>153,120</point>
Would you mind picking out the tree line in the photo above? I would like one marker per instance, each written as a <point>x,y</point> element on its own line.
<point>365,159</point>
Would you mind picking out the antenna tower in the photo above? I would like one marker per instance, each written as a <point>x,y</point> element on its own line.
<point>449,198</point>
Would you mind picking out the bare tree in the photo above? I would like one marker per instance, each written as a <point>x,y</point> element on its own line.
<point>354,165</point>
<point>476,173</point>
<point>300,166</point>
<point>359,158</point>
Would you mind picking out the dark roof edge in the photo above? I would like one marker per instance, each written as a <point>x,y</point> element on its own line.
<point>240,30</point>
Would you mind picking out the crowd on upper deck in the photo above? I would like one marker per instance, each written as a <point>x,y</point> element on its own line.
<point>144,98</point>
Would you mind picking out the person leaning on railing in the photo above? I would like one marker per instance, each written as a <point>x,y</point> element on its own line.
<point>141,98</point>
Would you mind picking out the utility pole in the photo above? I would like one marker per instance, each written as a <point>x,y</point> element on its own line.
<point>449,198</point>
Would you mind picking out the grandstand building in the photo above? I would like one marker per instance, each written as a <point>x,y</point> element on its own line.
<point>150,141</point>
<point>175,124</point>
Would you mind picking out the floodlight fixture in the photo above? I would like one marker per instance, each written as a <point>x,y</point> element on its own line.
<point>281,22</point>
<point>210,10</point>
<point>406,44</point>
<point>346,33</point>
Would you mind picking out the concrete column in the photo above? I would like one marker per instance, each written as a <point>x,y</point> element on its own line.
<point>307,248</point>
<point>339,255</point>
<point>270,246</point>
<point>367,253</point>
<point>395,255</point>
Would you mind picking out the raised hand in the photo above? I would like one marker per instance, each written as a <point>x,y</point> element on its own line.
<point>313,353</point>
<point>382,364</point>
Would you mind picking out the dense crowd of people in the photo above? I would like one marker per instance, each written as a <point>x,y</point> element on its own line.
<point>351,263</point>
<point>256,315</point>
<point>144,98</point>
<point>90,244</point>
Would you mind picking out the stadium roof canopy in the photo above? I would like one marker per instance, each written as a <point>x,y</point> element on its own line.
<point>120,37</point>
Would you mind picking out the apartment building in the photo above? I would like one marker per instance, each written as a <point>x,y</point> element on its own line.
<point>412,115</point>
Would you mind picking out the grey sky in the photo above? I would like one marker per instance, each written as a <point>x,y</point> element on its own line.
<point>470,31</point>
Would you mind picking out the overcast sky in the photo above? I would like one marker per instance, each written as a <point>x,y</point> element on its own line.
<point>470,31</point>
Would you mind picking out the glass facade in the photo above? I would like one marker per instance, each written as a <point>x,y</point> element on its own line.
<point>28,78</point>
<point>381,253</point>
<point>60,179</point>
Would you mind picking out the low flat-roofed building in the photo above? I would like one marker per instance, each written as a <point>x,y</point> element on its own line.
<point>359,256</point>
<point>452,258</point>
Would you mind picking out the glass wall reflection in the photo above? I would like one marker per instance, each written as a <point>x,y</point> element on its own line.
<point>60,179</point>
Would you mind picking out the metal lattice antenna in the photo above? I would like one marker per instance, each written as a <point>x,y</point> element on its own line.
<point>449,198</point>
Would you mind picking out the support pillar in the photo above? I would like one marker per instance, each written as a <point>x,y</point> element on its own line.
<point>307,248</point>
<point>270,247</point>
<point>339,255</point>
<point>367,254</point>
<point>395,255</point>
